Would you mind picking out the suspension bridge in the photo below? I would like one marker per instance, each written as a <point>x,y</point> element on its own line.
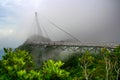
<point>39,39</point>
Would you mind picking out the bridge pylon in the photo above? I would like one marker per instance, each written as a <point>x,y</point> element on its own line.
<point>38,29</point>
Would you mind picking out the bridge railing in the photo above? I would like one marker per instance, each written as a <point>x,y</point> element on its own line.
<point>87,44</point>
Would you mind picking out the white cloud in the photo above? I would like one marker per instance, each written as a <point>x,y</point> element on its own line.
<point>11,37</point>
<point>7,32</point>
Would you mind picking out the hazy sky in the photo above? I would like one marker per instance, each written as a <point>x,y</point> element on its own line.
<point>89,20</point>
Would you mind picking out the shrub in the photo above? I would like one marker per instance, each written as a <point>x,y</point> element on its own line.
<point>52,71</point>
<point>17,65</point>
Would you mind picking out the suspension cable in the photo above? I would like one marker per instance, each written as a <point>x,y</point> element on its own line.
<point>64,31</point>
<point>45,32</point>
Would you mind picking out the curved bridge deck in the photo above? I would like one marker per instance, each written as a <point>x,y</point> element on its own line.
<point>75,44</point>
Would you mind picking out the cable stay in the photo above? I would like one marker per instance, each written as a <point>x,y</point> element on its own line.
<point>64,31</point>
<point>41,33</point>
<point>45,32</point>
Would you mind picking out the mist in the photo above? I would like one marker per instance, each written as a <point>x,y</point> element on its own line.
<point>87,20</point>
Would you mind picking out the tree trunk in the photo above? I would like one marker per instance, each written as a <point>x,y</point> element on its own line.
<point>86,75</point>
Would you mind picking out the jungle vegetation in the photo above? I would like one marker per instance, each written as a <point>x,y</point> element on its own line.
<point>19,65</point>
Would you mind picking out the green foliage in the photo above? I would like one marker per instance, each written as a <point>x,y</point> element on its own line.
<point>71,65</point>
<point>111,60</point>
<point>16,65</point>
<point>86,61</point>
<point>52,71</point>
<point>17,59</point>
<point>116,62</point>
